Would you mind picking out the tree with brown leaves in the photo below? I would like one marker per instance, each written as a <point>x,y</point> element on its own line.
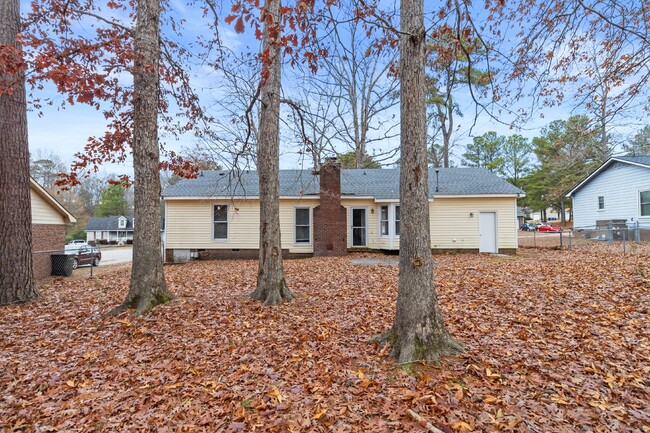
<point>148,287</point>
<point>271,285</point>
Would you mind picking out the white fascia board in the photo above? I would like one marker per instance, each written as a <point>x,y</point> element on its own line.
<point>221,198</point>
<point>347,197</point>
<point>588,178</point>
<point>42,192</point>
<point>481,196</point>
<point>600,169</point>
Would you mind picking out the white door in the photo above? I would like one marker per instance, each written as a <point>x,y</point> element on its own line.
<point>359,227</point>
<point>487,231</point>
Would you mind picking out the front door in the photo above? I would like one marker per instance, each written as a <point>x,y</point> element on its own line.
<point>487,231</point>
<point>359,227</point>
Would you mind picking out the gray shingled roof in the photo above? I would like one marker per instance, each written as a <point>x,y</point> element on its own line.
<point>643,159</point>
<point>108,224</point>
<point>376,183</point>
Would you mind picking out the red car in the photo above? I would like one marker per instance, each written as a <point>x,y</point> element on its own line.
<point>549,228</point>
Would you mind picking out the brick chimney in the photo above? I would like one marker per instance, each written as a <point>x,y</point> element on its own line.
<point>330,218</point>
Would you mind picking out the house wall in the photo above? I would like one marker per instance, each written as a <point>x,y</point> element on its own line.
<point>620,184</point>
<point>47,239</point>
<point>371,220</point>
<point>43,212</point>
<point>189,224</point>
<point>48,234</point>
<point>453,228</point>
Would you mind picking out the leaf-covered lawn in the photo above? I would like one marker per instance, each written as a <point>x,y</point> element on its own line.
<point>556,341</point>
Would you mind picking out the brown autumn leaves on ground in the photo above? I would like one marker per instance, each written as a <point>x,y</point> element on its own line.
<point>557,341</point>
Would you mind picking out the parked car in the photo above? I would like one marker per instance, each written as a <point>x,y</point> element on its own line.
<point>84,255</point>
<point>77,242</point>
<point>549,228</point>
<point>528,227</point>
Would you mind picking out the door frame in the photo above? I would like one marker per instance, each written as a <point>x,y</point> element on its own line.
<point>365,210</point>
<point>496,231</point>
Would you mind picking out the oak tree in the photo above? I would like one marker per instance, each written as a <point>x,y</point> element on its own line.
<point>148,287</point>
<point>271,285</point>
<point>419,331</point>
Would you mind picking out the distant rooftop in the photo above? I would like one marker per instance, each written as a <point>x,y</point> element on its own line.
<point>376,183</point>
<point>642,159</point>
<point>109,223</point>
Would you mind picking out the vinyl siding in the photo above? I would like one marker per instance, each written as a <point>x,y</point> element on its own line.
<point>620,185</point>
<point>287,228</point>
<point>453,228</point>
<point>43,212</point>
<point>371,219</point>
<point>189,224</point>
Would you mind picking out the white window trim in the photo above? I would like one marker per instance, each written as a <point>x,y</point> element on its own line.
<point>311,225</point>
<point>638,195</point>
<point>598,203</point>
<point>212,222</point>
<point>395,206</point>
<point>388,219</point>
<point>351,231</point>
<point>121,223</point>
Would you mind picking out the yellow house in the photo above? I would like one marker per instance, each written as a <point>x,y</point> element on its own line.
<point>49,219</point>
<point>335,211</point>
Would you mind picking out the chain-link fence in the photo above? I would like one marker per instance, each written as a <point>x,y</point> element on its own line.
<point>620,236</point>
<point>76,259</point>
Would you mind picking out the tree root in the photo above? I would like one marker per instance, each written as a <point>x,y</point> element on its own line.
<point>408,351</point>
<point>141,304</point>
<point>274,295</point>
<point>387,337</point>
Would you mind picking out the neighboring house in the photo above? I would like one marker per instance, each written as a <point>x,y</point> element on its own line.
<point>619,190</point>
<point>521,216</point>
<point>551,214</point>
<point>110,230</point>
<point>49,219</point>
<point>336,211</point>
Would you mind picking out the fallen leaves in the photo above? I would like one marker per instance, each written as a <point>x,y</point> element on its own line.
<point>555,339</point>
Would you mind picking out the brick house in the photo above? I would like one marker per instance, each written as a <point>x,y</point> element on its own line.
<point>332,211</point>
<point>49,219</point>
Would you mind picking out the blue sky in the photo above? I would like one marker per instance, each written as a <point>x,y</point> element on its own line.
<point>65,131</point>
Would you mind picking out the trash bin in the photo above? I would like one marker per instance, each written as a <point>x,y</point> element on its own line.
<point>62,264</point>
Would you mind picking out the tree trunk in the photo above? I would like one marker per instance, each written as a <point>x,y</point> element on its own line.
<point>16,273</point>
<point>419,332</point>
<point>271,286</point>
<point>148,287</point>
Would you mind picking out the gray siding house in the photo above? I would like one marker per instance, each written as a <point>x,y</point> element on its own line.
<point>112,229</point>
<point>619,190</point>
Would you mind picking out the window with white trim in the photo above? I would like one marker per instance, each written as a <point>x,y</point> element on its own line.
<point>601,202</point>
<point>302,225</point>
<point>644,200</point>
<point>383,220</point>
<point>396,220</point>
<point>220,222</point>
<point>121,223</point>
